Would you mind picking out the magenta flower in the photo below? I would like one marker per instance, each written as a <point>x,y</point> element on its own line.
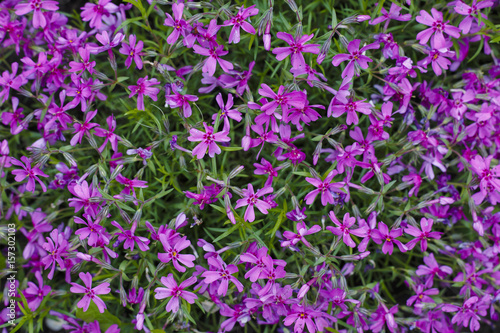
<point>57,251</point>
<point>92,231</point>
<point>38,67</point>
<point>422,235</point>
<point>344,229</point>
<point>302,231</point>
<point>172,253</point>
<point>471,13</point>
<point>28,171</point>
<point>84,128</point>
<point>325,187</point>
<point>86,64</point>
<point>489,179</point>
<point>108,135</point>
<point>393,14</point>
<point>297,99</point>
<point>384,316</point>
<point>355,57</point>
<point>238,21</point>
<point>250,199</point>
<point>95,12</point>
<point>177,100</point>
<point>11,80</point>
<point>90,293</point>
<point>144,87</point>
<point>382,234</point>
<point>220,271</point>
<point>351,107</point>
<point>422,296</point>
<point>84,195</point>
<point>208,140</point>
<point>39,20</point>
<point>176,292</point>
<point>438,59</point>
<point>130,184</point>
<point>177,23</point>
<point>35,294</point>
<point>368,226</point>
<point>14,118</point>
<point>227,112</point>
<point>296,48</point>
<point>437,27</point>
<point>414,179</point>
<point>213,55</point>
<point>132,51</point>
<point>130,238</point>
<point>302,316</point>
<point>305,114</point>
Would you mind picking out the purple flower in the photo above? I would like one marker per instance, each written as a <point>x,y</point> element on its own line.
<point>92,231</point>
<point>35,294</point>
<point>86,64</point>
<point>382,234</point>
<point>84,200</point>
<point>344,229</point>
<point>251,199</point>
<point>132,51</point>
<point>325,187</point>
<point>177,100</point>
<point>302,231</point>
<point>82,129</point>
<point>28,171</point>
<point>130,238</point>
<point>302,316</point>
<point>393,14</point>
<point>108,134</point>
<point>285,100</point>
<point>208,140</point>
<point>437,58</point>
<point>220,271</point>
<point>422,235</point>
<point>176,292</point>
<point>11,80</point>
<point>57,250</point>
<point>39,20</point>
<point>296,48</point>
<point>432,269</point>
<point>355,57</point>
<point>95,12</point>
<point>471,13</point>
<point>351,107</point>
<point>177,23</point>
<point>437,27</point>
<point>384,316</point>
<point>172,253</point>
<point>90,293</point>
<point>144,87</point>
<point>227,112</point>
<point>213,55</point>
<point>238,21</point>
<point>422,296</point>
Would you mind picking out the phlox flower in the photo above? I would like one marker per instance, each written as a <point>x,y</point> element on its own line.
<point>325,187</point>
<point>95,12</point>
<point>175,291</point>
<point>392,14</point>
<point>132,51</point>
<point>302,231</point>
<point>92,231</point>
<point>382,234</point>
<point>85,63</point>
<point>355,57</point>
<point>144,87</point>
<point>27,171</point>
<point>130,238</point>
<point>239,21</point>
<point>172,250</point>
<point>178,100</point>
<point>35,294</point>
<point>176,22</point>
<point>220,271</point>
<point>83,128</point>
<point>437,28</point>
<point>470,12</point>
<point>213,54</point>
<point>208,140</point>
<point>344,229</point>
<point>36,6</point>
<point>90,293</point>
<point>422,235</point>
<point>251,200</point>
<point>296,48</point>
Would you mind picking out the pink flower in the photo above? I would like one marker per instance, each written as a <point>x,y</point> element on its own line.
<point>177,23</point>
<point>35,294</point>
<point>471,13</point>
<point>176,292</point>
<point>325,187</point>
<point>393,14</point>
<point>108,134</point>
<point>382,234</point>
<point>438,58</point>
<point>213,55</point>
<point>355,57</point>
<point>437,27</point>
<point>297,99</point>
<point>94,12</point>
<point>144,87</point>
<point>208,140</point>
<point>130,238</point>
<point>82,129</point>
<point>177,100</point>
<point>220,271</point>
<point>250,200</point>
<point>86,64</point>
<point>344,229</point>
<point>351,107</point>
<point>92,231</point>
<point>39,20</point>
<point>172,253</point>
<point>294,238</point>
<point>238,21</point>
<point>132,51</point>
<point>90,293</point>
<point>227,112</point>
<point>296,48</point>
<point>28,171</point>
<point>57,251</point>
<point>422,235</point>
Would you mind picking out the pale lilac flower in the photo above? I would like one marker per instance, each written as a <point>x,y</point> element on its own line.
<point>208,140</point>
<point>57,251</point>
<point>176,292</point>
<point>178,100</point>
<point>90,293</point>
<point>130,238</point>
<point>92,231</point>
<point>172,253</point>
<point>470,12</point>
<point>35,294</point>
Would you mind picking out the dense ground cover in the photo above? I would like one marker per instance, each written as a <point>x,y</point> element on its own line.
<point>251,166</point>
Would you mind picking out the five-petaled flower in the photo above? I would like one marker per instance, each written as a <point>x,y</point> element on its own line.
<point>90,293</point>
<point>208,140</point>
<point>175,291</point>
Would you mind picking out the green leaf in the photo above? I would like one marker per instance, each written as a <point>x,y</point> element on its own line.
<point>230,148</point>
<point>138,5</point>
<point>92,314</point>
